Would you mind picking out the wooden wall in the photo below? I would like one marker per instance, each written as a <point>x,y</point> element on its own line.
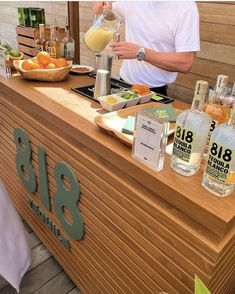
<point>9,18</point>
<point>217,55</point>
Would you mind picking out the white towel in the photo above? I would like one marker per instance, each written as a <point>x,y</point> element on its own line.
<point>15,257</point>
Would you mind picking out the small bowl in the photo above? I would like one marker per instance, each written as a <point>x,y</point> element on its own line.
<point>47,75</point>
<point>112,106</point>
<point>78,69</point>
<point>10,59</point>
<point>146,98</point>
<point>131,101</point>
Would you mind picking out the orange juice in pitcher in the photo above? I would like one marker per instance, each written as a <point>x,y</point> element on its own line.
<point>102,31</point>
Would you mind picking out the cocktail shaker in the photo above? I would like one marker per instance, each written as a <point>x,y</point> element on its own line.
<point>102,83</point>
<point>103,61</point>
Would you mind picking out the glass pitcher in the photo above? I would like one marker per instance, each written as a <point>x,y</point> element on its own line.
<point>102,30</point>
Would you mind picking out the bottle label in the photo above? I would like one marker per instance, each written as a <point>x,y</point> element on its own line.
<point>51,51</point>
<point>68,50</point>
<point>187,145</point>
<point>221,163</point>
<point>214,124</point>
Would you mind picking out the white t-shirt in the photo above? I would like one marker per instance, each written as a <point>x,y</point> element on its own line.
<point>160,26</point>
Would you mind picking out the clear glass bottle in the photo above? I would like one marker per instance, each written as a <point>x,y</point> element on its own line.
<point>40,42</point>
<point>67,45</point>
<point>52,45</point>
<point>218,111</point>
<point>219,174</point>
<point>192,127</point>
<point>230,99</point>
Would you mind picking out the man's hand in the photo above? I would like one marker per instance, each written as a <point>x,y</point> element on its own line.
<point>125,50</point>
<point>98,6</point>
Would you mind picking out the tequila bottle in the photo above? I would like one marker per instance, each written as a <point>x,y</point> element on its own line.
<point>218,111</point>
<point>219,174</point>
<point>52,45</point>
<point>40,42</point>
<point>192,127</point>
<point>67,45</point>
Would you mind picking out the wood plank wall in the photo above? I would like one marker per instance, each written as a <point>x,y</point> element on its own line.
<point>217,55</point>
<point>9,18</point>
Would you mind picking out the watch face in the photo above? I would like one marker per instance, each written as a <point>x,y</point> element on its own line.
<point>140,54</point>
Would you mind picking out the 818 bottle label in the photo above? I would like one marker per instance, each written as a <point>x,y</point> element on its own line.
<point>221,163</point>
<point>183,140</point>
<point>188,144</point>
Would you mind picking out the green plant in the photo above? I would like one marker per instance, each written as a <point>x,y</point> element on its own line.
<point>9,50</point>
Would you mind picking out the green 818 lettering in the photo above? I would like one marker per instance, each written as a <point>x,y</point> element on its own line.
<point>23,160</point>
<point>68,198</point>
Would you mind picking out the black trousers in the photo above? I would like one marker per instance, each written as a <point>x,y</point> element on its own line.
<point>161,90</point>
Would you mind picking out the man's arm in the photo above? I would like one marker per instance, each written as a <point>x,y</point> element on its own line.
<point>170,61</point>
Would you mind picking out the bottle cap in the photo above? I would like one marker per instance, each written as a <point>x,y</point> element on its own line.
<point>221,84</point>
<point>200,90</point>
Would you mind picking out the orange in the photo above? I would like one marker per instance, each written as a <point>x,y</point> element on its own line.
<point>53,60</point>
<point>27,64</point>
<point>43,58</point>
<point>50,66</point>
<point>61,62</point>
<point>35,65</point>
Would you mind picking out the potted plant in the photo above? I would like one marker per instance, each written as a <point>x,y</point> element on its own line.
<point>11,54</point>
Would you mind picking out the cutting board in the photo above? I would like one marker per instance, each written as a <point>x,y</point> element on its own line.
<point>113,122</point>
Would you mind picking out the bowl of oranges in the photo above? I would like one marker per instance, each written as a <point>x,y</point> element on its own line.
<point>43,68</point>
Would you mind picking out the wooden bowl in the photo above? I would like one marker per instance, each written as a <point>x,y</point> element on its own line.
<point>43,75</point>
<point>10,59</point>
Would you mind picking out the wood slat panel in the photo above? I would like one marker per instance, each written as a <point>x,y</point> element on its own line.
<point>217,33</point>
<point>217,52</point>
<point>28,50</point>
<point>26,41</point>
<point>217,13</point>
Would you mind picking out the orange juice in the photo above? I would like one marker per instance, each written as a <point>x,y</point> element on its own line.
<point>97,39</point>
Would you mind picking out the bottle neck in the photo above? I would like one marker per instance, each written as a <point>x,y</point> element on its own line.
<point>41,32</point>
<point>52,34</point>
<point>220,88</point>
<point>66,29</point>
<point>199,96</point>
<point>231,121</point>
<point>233,90</point>
<point>197,105</point>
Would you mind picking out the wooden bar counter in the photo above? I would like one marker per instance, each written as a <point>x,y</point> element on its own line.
<point>131,230</point>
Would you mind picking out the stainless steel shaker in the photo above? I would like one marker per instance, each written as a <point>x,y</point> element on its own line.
<point>102,83</point>
<point>103,61</point>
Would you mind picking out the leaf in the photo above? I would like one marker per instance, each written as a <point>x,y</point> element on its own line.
<point>200,288</point>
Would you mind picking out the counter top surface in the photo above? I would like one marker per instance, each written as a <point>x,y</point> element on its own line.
<point>78,113</point>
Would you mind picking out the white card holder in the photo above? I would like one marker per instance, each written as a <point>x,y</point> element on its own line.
<point>150,140</point>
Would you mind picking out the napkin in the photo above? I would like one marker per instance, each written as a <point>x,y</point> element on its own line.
<point>129,125</point>
<point>15,257</point>
<point>165,112</point>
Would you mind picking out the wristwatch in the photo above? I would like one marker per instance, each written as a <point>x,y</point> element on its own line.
<point>140,54</point>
